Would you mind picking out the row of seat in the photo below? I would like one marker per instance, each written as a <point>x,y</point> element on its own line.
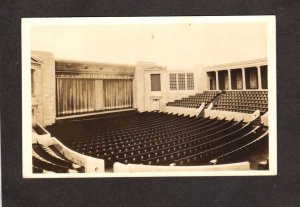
<point>136,130</point>
<point>154,138</point>
<point>243,101</point>
<point>133,136</point>
<point>109,124</point>
<point>145,137</point>
<point>156,143</point>
<point>205,156</point>
<point>48,159</point>
<point>183,104</point>
<point>243,106</point>
<point>260,98</point>
<point>250,101</point>
<point>248,92</point>
<point>246,110</point>
<point>195,101</point>
<point>167,155</point>
<point>242,153</point>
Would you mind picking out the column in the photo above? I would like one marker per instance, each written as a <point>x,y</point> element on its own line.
<point>229,80</point>
<point>244,78</point>
<point>217,80</point>
<point>259,77</point>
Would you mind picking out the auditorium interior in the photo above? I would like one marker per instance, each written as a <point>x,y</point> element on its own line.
<point>93,117</point>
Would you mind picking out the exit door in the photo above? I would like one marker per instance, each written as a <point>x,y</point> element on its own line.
<point>155,104</point>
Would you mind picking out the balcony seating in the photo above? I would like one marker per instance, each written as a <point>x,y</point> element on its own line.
<point>195,101</point>
<point>243,101</point>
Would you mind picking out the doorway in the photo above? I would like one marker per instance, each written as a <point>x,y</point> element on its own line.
<point>155,104</point>
<point>212,80</point>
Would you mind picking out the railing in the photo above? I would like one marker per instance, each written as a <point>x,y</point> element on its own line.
<point>91,165</point>
<point>229,115</point>
<point>200,109</point>
<point>265,119</point>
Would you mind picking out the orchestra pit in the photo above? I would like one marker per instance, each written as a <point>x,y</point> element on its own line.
<point>90,117</point>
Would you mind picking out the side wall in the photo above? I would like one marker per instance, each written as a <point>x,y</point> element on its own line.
<point>46,82</point>
<point>143,98</point>
<point>138,85</point>
<point>147,100</point>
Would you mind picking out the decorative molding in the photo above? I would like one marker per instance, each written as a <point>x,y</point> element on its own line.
<point>93,76</point>
<point>64,67</point>
<point>156,68</point>
<point>35,60</point>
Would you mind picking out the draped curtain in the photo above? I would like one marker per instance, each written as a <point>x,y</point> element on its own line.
<point>75,96</point>
<point>87,95</point>
<point>117,94</point>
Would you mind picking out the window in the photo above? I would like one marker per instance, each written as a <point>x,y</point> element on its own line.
<point>181,81</point>
<point>190,81</point>
<point>155,82</point>
<point>173,82</point>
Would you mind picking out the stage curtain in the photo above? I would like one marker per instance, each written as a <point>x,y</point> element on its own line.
<point>75,96</point>
<point>99,95</point>
<point>117,94</point>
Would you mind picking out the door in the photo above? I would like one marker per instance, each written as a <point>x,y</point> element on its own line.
<point>155,104</point>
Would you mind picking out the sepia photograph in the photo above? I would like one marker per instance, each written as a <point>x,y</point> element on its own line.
<point>149,96</point>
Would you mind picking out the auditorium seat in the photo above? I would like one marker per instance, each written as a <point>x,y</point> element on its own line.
<point>242,153</point>
<point>42,164</point>
<point>153,138</point>
<point>214,150</point>
<point>243,101</point>
<point>195,101</point>
<point>53,159</point>
<point>46,159</point>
